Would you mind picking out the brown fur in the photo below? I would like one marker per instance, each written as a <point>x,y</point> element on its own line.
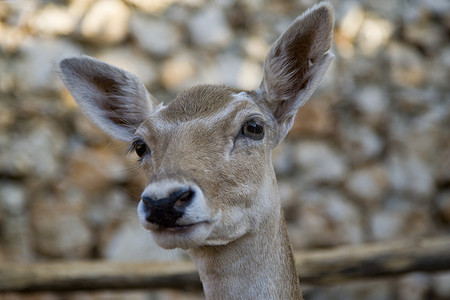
<point>234,227</point>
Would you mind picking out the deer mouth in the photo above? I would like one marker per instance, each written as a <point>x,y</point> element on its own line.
<point>180,228</point>
<point>181,236</point>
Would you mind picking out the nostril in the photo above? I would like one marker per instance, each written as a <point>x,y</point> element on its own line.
<point>183,200</point>
<point>147,201</point>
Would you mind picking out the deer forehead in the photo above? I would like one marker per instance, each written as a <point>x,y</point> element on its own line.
<point>206,106</point>
<point>205,101</point>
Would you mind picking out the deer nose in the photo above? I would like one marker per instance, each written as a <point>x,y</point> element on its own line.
<point>166,211</point>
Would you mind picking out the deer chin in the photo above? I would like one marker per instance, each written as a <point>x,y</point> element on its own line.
<point>182,236</point>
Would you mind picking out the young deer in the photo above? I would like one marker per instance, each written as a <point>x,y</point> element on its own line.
<point>211,185</point>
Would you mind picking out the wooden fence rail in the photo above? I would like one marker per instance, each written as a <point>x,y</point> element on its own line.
<point>316,267</point>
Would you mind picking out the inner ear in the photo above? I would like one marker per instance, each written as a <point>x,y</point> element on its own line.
<point>106,85</point>
<point>112,98</point>
<point>296,63</point>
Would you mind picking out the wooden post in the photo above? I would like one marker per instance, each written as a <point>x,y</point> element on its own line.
<point>333,266</point>
<point>344,264</point>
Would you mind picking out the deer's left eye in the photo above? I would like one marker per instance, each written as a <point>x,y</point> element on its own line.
<point>140,148</point>
<point>253,129</point>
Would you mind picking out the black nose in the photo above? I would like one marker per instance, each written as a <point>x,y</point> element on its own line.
<point>166,211</point>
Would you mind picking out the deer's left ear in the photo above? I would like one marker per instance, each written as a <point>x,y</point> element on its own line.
<point>114,99</point>
<point>296,63</point>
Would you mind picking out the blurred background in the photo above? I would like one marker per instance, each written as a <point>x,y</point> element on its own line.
<point>368,159</point>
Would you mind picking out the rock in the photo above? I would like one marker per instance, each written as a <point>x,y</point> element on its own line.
<point>319,163</point>
<point>351,22</point>
<point>8,114</point>
<point>133,61</point>
<point>362,70</point>
<point>387,225</point>
<point>406,65</point>
<point>326,219</point>
<point>445,58</point>
<point>412,13</point>
<point>415,286</point>
<point>226,69</point>
<point>443,168</point>
<point>441,285</point>
<point>155,7</point>
<point>13,33</point>
<point>107,208</point>
<point>59,228</point>
<point>439,7</point>
<point>106,22</point>
<point>439,67</point>
<point>250,75</point>
<point>358,290</point>
<point>131,242</point>
<point>288,192</point>
<point>420,128</point>
<point>372,102</point>
<point>89,134</point>
<point>374,34</point>
<point>282,158</point>
<point>368,184</point>
<point>443,205</point>
<point>12,199</point>
<point>349,19</point>
<point>314,118</point>
<point>413,100</point>
<point>386,8</point>
<point>328,84</point>
<point>177,72</point>
<point>15,235</point>
<point>93,170</point>
<point>35,151</point>
<point>232,70</point>
<point>117,294</point>
<point>209,28</point>
<point>360,142</point>
<point>425,34</point>
<point>156,36</point>
<point>16,239</point>
<point>54,20</point>
<point>256,48</point>
<point>238,72</point>
<point>408,174</point>
<point>8,82</point>
<point>399,218</point>
<point>36,72</point>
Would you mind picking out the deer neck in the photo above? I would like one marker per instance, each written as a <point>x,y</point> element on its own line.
<point>259,265</point>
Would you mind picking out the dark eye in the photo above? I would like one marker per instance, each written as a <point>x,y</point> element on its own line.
<point>140,148</point>
<point>253,129</point>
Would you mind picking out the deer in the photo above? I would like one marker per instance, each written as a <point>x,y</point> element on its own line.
<point>207,157</point>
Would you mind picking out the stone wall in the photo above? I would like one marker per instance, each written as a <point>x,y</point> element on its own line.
<point>368,159</point>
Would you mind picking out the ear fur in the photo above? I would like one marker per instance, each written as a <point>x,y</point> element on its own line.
<point>296,63</point>
<point>114,99</point>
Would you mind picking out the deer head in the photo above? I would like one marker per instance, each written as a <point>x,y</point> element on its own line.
<point>207,154</point>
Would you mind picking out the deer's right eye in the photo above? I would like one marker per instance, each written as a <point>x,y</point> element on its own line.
<point>253,129</point>
<point>140,148</point>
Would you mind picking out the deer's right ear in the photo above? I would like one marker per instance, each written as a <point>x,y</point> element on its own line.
<point>115,100</point>
<point>296,63</point>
